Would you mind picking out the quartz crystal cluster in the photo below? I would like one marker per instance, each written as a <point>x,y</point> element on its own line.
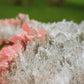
<point>42,53</point>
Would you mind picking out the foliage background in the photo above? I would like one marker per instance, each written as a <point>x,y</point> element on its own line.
<point>40,10</point>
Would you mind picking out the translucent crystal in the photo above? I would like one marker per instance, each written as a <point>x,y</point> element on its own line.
<point>60,37</point>
<point>81,26</point>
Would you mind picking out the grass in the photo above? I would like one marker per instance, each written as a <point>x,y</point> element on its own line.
<point>74,10</point>
<point>79,2</point>
<point>44,14</point>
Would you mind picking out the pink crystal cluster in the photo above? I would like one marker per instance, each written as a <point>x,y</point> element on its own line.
<point>9,52</point>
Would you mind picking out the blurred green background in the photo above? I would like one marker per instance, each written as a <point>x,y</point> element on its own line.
<point>44,10</point>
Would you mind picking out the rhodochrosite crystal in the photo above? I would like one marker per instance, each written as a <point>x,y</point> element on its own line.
<point>9,53</point>
<point>40,53</point>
